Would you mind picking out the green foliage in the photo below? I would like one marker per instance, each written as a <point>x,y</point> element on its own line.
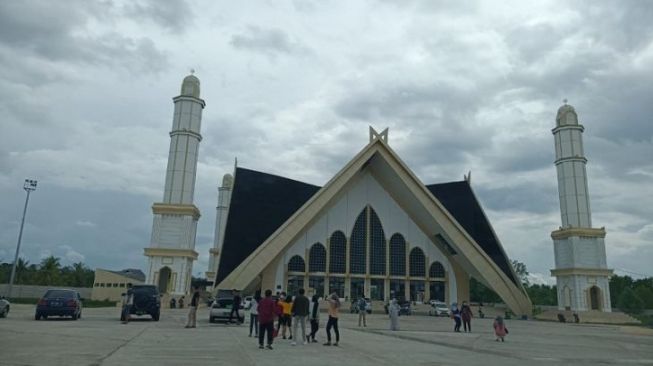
<point>49,272</point>
<point>521,271</point>
<point>642,289</point>
<point>629,302</point>
<point>479,293</point>
<point>542,294</point>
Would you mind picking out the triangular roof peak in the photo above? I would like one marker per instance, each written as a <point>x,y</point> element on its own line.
<point>419,203</point>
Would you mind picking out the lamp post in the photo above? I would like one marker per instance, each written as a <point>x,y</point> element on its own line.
<point>29,186</point>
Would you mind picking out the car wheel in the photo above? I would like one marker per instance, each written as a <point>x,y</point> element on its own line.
<point>37,316</point>
<point>80,315</point>
<point>3,313</point>
<point>155,317</point>
<point>211,319</point>
<point>74,316</point>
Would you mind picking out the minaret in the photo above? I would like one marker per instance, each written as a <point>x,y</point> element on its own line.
<point>172,247</point>
<point>580,263</point>
<point>224,198</point>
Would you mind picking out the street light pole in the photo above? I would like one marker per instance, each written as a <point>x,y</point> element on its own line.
<point>29,186</point>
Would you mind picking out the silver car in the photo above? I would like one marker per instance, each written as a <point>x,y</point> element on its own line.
<point>220,310</point>
<point>4,307</point>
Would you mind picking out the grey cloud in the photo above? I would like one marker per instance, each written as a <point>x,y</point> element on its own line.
<point>64,37</point>
<point>271,42</point>
<point>176,15</point>
<point>525,197</point>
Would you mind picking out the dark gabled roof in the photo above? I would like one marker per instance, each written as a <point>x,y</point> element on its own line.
<point>135,274</point>
<point>459,199</point>
<point>260,204</point>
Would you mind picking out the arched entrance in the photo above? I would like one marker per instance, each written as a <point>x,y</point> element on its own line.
<point>164,279</point>
<point>566,296</point>
<point>595,298</point>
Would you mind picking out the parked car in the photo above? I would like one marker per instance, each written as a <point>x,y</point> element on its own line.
<point>146,301</point>
<point>220,310</point>
<point>405,308</point>
<point>4,307</point>
<point>247,303</point>
<point>438,308</point>
<point>61,302</point>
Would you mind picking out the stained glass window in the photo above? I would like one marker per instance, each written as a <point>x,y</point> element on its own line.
<point>377,245</point>
<point>397,255</point>
<point>337,252</point>
<point>357,255</point>
<point>317,258</point>
<point>416,263</point>
<point>296,264</point>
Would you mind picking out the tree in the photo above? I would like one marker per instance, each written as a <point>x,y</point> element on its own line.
<point>49,271</point>
<point>22,267</point>
<point>646,294</point>
<point>629,302</point>
<point>521,271</point>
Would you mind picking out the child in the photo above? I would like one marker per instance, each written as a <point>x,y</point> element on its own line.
<point>500,329</point>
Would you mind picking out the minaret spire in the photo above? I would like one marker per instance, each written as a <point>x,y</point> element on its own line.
<point>581,270</point>
<point>172,248</point>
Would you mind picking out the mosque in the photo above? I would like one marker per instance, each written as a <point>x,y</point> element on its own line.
<point>374,229</point>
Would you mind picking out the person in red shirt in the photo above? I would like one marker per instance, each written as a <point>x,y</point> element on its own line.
<point>267,311</point>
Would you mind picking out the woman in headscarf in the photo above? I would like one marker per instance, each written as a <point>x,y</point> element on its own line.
<point>393,311</point>
<point>334,307</point>
<point>500,329</point>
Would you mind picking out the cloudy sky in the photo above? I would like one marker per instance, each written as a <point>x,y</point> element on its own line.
<point>291,87</point>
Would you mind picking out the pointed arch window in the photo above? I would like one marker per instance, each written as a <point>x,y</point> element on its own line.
<point>397,255</point>
<point>337,253</point>
<point>357,252</point>
<point>417,263</point>
<point>436,270</point>
<point>377,245</point>
<point>296,264</point>
<point>317,258</point>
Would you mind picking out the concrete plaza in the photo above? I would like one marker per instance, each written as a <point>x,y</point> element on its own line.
<point>99,339</point>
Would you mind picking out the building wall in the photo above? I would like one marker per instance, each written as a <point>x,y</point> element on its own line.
<point>30,291</point>
<point>342,216</point>
<point>109,285</point>
<point>180,273</point>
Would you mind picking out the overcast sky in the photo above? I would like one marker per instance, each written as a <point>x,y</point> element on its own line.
<point>291,87</point>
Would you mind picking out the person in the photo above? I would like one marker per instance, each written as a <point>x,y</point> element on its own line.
<point>286,318</point>
<point>334,307</point>
<point>466,315</point>
<point>267,311</point>
<point>362,311</point>
<point>192,308</point>
<point>315,318</point>
<point>181,302</point>
<point>500,329</point>
<point>173,303</point>
<point>128,302</point>
<point>253,314</point>
<point>281,297</point>
<point>455,314</point>
<point>393,310</point>
<point>300,310</point>
<point>235,306</point>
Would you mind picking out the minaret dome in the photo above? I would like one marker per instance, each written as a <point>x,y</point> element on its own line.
<point>190,87</point>
<point>566,116</point>
<point>228,181</point>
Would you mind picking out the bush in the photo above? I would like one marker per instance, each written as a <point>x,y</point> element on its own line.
<point>629,302</point>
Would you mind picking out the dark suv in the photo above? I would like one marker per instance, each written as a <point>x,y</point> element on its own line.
<point>146,301</point>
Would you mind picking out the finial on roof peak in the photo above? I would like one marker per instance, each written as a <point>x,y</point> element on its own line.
<point>383,135</point>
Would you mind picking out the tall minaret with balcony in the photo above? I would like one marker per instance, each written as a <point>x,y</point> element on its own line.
<point>580,262</point>
<point>172,248</point>
<point>222,211</point>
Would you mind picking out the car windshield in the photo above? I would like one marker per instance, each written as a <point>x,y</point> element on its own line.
<point>149,290</point>
<point>59,294</point>
<point>223,303</point>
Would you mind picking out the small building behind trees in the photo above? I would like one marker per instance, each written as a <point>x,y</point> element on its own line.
<point>109,285</point>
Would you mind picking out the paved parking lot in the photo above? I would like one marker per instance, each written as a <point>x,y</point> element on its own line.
<point>99,339</point>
